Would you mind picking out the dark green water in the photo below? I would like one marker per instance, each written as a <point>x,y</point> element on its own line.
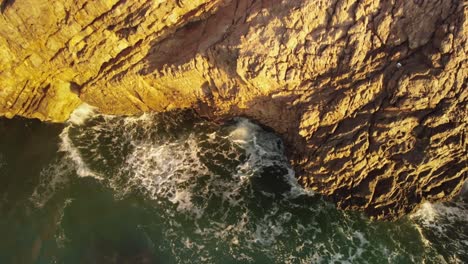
<point>176,189</point>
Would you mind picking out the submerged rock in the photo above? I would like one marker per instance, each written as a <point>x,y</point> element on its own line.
<point>369,96</point>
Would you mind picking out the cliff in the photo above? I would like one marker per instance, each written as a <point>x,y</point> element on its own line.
<point>369,96</point>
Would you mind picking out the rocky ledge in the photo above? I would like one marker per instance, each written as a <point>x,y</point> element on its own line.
<point>369,96</point>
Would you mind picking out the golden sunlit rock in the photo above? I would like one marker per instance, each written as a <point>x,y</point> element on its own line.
<point>369,96</point>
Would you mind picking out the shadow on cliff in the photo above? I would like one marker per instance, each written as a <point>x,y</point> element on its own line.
<point>5,4</point>
<point>216,38</point>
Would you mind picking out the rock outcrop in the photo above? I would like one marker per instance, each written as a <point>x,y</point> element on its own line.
<point>369,96</point>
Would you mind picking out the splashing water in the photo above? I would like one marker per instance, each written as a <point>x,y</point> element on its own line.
<point>173,188</point>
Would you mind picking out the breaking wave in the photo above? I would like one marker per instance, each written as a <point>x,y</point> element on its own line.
<point>227,193</point>
<point>446,222</point>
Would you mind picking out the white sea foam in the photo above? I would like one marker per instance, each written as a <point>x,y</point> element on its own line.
<point>244,131</point>
<point>60,236</point>
<point>432,214</point>
<point>77,118</point>
<point>172,170</point>
<point>441,220</point>
<point>56,175</point>
<point>209,178</point>
<point>166,171</point>
<point>67,146</point>
<point>82,113</point>
<point>52,178</point>
<point>264,149</point>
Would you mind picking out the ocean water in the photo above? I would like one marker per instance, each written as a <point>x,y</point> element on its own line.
<point>173,188</point>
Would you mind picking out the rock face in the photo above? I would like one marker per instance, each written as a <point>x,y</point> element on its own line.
<point>369,96</point>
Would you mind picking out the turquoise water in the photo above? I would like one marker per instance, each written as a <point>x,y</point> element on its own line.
<point>173,188</point>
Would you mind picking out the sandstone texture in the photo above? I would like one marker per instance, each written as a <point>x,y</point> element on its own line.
<point>370,96</point>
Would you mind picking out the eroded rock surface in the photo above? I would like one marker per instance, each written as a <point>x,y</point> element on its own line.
<point>370,96</point>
